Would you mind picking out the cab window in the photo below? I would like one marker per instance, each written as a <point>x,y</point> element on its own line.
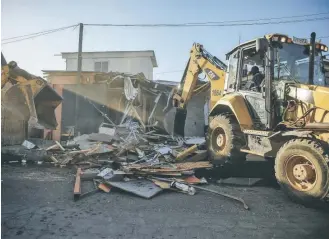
<point>233,70</point>
<point>252,73</point>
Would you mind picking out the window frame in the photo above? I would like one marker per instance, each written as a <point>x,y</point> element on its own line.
<point>240,73</point>
<point>233,88</point>
<point>102,66</point>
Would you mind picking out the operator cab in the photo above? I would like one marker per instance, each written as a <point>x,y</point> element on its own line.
<point>278,60</point>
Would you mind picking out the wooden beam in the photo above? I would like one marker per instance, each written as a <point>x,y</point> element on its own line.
<point>77,185</point>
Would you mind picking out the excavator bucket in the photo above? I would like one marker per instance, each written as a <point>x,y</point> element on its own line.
<point>179,122</point>
<point>174,117</point>
<point>34,101</point>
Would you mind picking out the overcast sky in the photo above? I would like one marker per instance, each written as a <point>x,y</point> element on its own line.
<point>171,45</point>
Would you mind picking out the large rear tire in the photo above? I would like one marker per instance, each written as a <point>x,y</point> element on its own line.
<point>225,139</point>
<point>302,170</point>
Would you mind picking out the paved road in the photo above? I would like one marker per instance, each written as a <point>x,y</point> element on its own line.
<point>37,203</point>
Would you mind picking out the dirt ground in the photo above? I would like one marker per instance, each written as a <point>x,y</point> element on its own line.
<point>37,202</point>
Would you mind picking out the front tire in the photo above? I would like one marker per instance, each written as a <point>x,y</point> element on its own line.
<point>302,170</point>
<point>225,139</point>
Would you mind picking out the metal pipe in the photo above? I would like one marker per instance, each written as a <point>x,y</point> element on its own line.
<point>311,55</point>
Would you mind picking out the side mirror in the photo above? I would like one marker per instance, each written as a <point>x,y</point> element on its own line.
<point>261,45</point>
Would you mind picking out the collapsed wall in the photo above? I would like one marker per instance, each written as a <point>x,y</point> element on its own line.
<point>112,97</point>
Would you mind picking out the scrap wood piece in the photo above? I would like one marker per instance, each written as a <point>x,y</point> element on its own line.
<point>191,180</point>
<point>77,185</point>
<point>193,165</point>
<point>53,159</point>
<point>52,147</point>
<point>187,152</point>
<point>79,151</point>
<point>104,187</point>
<point>177,168</point>
<point>161,184</point>
<point>60,146</point>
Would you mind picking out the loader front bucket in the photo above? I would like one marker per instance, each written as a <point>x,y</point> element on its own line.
<point>46,101</point>
<point>34,101</point>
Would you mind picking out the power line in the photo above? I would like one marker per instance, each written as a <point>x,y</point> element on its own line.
<point>264,19</point>
<point>247,22</point>
<point>209,25</point>
<point>10,38</point>
<point>323,37</point>
<point>32,35</point>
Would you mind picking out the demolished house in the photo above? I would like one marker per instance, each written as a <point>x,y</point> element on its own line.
<point>125,140</point>
<point>109,97</point>
<point>117,130</point>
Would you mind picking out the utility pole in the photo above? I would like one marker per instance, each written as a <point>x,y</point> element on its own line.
<point>79,68</point>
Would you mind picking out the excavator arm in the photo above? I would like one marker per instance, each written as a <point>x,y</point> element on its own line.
<point>200,61</point>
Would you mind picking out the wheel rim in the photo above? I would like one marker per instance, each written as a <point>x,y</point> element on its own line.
<point>301,173</point>
<point>218,139</point>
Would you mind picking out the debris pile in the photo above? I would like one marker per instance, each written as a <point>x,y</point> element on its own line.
<point>128,158</point>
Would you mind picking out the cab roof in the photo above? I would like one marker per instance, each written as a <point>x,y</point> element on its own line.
<point>267,36</point>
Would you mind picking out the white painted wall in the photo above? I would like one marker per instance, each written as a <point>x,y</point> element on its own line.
<point>126,62</point>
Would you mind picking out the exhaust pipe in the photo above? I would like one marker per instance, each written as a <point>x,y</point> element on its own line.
<point>311,61</point>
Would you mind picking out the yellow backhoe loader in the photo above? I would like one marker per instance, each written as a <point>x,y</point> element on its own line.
<point>272,100</point>
<point>27,102</point>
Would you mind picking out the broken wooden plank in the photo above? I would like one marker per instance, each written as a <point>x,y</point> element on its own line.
<point>77,185</point>
<point>53,159</point>
<point>187,152</point>
<point>52,147</point>
<point>174,168</point>
<point>193,165</point>
<point>104,187</point>
<point>60,146</point>
<point>161,184</point>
